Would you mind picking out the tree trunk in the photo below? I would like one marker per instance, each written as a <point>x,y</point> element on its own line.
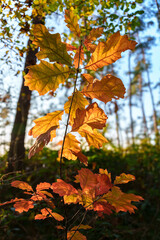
<point>142,107</point>
<point>16,153</point>
<point>130,98</point>
<point>155,121</point>
<point>117,122</point>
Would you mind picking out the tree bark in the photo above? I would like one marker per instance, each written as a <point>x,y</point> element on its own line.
<point>16,153</point>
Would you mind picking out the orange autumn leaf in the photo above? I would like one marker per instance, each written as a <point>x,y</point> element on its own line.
<point>103,207</point>
<point>42,186</point>
<point>70,47</point>
<point>79,57</point>
<point>50,45</point>
<point>87,179</point>
<point>22,185</point>
<point>47,212</point>
<point>82,158</point>
<point>122,201</point>
<point>87,77</point>
<point>23,205</point>
<point>45,123</point>
<point>72,22</point>
<point>71,145</point>
<point>45,77</point>
<point>106,89</point>
<point>110,51</point>
<point>75,235</point>
<point>93,116</point>
<point>41,141</point>
<point>72,198</point>
<point>79,101</point>
<point>93,35</point>
<point>124,178</point>
<point>105,171</point>
<point>63,188</point>
<point>93,137</point>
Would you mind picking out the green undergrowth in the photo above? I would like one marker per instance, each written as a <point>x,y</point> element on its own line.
<point>143,161</point>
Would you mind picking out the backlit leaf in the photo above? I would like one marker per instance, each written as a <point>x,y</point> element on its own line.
<point>72,22</point>
<point>93,35</point>
<point>41,141</point>
<point>122,201</point>
<point>79,57</point>
<point>45,77</point>
<point>71,145</point>
<point>87,77</point>
<point>107,88</point>
<point>47,212</point>
<point>93,137</point>
<point>79,101</point>
<point>103,207</point>
<point>50,45</point>
<point>23,205</point>
<point>124,178</point>
<point>110,51</point>
<point>75,235</point>
<point>92,116</point>
<point>88,180</point>
<point>43,186</point>
<point>22,185</point>
<point>45,123</point>
<point>63,188</point>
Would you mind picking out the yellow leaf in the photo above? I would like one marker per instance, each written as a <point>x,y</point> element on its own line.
<point>107,88</point>
<point>71,145</point>
<point>72,22</point>
<point>50,46</point>
<point>110,51</point>
<point>43,124</point>
<point>93,137</point>
<point>46,76</point>
<point>79,102</point>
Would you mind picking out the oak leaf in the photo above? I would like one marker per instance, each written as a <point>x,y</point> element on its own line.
<point>45,77</point>
<point>23,205</point>
<point>75,235</point>
<point>22,185</point>
<point>43,186</point>
<point>79,57</point>
<point>122,201</point>
<point>79,101</point>
<point>87,77</point>
<point>45,123</point>
<point>72,22</point>
<point>63,188</point>
<point>124,178</point>
<point>50,45</point>
<point>71,146</point>
<point>93,116</point>
<point>93,137</point>
<point>103,207</point>
<point>47,212</point>
<point>105,89</point>
<point>110,51</point>
<point>41,141</point>
<point>93,35</point>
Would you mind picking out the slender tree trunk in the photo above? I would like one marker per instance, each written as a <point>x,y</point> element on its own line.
<point>117,122</point>
<point>16,153</point>
<point>142,106</point>
<point>130,98</point>
<point>155,121</point>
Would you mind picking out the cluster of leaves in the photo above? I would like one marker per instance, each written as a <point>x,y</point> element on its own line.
<point>97,192</point>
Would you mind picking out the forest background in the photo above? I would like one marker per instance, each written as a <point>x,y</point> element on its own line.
<point>133,125</point>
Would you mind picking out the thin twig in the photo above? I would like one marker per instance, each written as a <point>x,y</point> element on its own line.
<point>65,134</point>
